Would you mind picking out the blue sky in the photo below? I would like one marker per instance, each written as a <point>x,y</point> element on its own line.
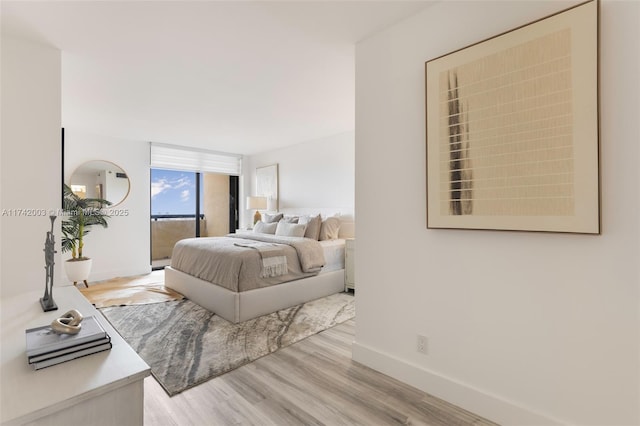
<point>173,192</point>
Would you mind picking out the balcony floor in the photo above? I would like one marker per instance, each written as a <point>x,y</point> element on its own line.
<point>160,263</point>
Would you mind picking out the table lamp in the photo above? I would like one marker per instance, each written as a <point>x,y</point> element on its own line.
<point>256,203</point>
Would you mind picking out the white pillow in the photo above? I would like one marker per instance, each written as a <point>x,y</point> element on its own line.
<point>285,229</point>
<point>265,228</point>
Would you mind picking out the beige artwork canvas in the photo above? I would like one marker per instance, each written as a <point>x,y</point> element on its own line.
<point>512,129</point>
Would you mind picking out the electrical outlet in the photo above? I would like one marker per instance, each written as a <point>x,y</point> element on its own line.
<point>421,344</point>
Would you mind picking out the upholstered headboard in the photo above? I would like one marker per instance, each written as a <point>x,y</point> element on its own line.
<point>347,218</point>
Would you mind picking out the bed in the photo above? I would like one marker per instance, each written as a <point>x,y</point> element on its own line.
<point>227,275</point>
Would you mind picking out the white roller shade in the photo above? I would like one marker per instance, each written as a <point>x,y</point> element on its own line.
<point>175,157</point>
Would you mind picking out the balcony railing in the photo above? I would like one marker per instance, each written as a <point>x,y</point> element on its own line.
<point>168,229</point>
<point>175,216</point>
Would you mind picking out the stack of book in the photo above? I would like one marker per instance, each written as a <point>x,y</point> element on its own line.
<point>45,347</point>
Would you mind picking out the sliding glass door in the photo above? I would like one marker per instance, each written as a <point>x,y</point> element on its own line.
<point>178,198</point>
<point>194,193</point>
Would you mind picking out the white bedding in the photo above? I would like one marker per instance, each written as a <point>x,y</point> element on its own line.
<point>333,254</point>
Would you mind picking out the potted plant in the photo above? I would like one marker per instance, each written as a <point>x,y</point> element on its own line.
<point>80,214</point>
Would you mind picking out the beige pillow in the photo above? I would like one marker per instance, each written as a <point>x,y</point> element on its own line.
<point>271,218</point>
<point>313,226</point>
<point>290,229</point>
<point>265,228</point>
<point>329,229</point>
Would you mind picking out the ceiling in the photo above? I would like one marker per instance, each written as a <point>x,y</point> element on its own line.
<point>237,76</point>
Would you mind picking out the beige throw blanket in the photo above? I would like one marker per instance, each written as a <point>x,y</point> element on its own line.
<point>309,251</point>
<point>274,262</point>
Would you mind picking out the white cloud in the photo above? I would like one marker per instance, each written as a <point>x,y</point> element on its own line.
<point>180,182</point>
<point>184,195</point>
<point>161,185</point>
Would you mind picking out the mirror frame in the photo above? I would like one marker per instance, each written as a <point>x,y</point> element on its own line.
<point>114,204</point>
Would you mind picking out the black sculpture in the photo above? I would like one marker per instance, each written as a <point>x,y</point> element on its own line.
<point>47,302</point>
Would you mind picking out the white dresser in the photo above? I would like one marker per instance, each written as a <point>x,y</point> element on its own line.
<point>100,389</point>
<point>349,266</point>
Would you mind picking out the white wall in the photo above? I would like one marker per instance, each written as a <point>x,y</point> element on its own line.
<point>122,249</point>
<point>30,155</point>
<point>524,328</point>
<point>317,174</point>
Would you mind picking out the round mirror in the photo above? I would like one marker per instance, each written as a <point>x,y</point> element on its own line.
<point>100,179</point>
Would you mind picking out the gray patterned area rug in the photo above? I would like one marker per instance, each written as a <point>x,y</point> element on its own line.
<point>186,345</point>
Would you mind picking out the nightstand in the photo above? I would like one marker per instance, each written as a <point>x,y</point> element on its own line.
<point>349,266</point>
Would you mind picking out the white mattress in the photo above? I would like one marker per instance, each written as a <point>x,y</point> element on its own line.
<point>333,254</point>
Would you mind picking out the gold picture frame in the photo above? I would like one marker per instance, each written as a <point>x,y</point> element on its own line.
<point>512,131</point>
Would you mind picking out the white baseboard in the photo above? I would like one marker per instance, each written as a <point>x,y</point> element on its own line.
<point>131,272</point>
<point>479,402</point>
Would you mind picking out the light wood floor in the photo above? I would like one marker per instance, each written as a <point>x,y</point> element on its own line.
<point>313,382</point>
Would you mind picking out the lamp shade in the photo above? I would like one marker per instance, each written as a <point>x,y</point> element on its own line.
<point>256,203</point>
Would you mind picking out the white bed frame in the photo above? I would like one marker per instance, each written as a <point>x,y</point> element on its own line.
<point>237,307</point>
<point>241,306</point>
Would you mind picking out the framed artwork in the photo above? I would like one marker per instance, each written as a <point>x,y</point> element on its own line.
<point>267,185</point>
<point>512,129</point>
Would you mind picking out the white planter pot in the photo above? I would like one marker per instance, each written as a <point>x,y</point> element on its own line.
<point>78,271</point>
